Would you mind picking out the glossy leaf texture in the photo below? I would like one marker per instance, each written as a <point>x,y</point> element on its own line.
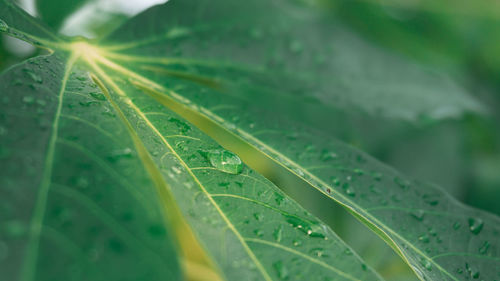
<point>439,237</point>
<point>23,26</point>
<point>76,200</point>
<point>329,63</point>
<point>91,164</point>
<point>246,224</point>
<point>54,13</point>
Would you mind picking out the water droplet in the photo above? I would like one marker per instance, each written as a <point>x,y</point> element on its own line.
<point>418,214</point>
<point>258,233</point>
<point>430,199</point>
<point>279,198</point>
<point>318,252</point>
<point>176,169</point>
<point>426,263</point>
<point>281,270</point>
<point>376,176</point>
<point>224,183</point>
<point>35,76</point>
<point>119,154</point>
<point>296,242</point>
<point>432,231</point>
<point>310,228</point>
<point>225,161</point>
<point>183,126</point>
<point>349,190</point>
<point>41,102</point>
<point>327,155</point>
<point>3,26</point>
<point>396,198</point>
<point>475,225</point>
<point>484,248</point>
<point>359,172</point>
<point>278,233</point>
<point>258,216</point>
<point>402,183</point>
<point>473,272</point>
<point>17,82</point>
<point>335,180</point>
<point>457,225</point>
<point>87,103</point>
<point>28,99</point>
<point>97,95</point>
<point>424,238</point>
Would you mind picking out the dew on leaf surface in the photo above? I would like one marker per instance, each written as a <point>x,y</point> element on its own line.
<point>225,161</point>
<point>3,26</point>
<point>28,99</point>
<point>281,270</point>
<point>36,77</point>
<point>97,96</point>
<point>424,238</point>
<point>484,248</point>
<point>318,252</point>
<point>418,215</point>
<point>473,272</point>
<point>475,225</point>
<point>278,233</point>
<point>311,229</point>
<point>426,263</point>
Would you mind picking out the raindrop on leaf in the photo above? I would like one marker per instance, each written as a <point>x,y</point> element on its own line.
<point>278,233</point>
<point>424,238</point>
<point>36,77</point>
<point>473,272</point>
<point>97,96</point>
<point>311,229</point>
<point>484,248</point>
<point>281,270</point>
<point>475,225</point>
<point>426,263</point>
<point>3,26</point>
<point>225,161</point>
<point>28,99</point>
<point>418,215</point>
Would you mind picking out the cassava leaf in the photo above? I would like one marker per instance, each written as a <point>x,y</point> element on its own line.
<point>91,164</point>
<point>439,237</point>
<point>76,201</point>
<point>23,26</point>
<point>328,62</point>
<point>54,13</point>
<point>246,224</point>
<point>180,46</point>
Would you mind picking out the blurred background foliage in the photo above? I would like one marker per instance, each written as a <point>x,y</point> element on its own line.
<point>458,37</point>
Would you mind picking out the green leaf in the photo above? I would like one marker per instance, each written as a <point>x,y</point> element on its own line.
<point>439,237</point>
<point>17,23</point>
<point>271,237</point>
<point>93,164</point>
<point>72,184</point>
<point>54,13</point>
<point>329,64</point>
